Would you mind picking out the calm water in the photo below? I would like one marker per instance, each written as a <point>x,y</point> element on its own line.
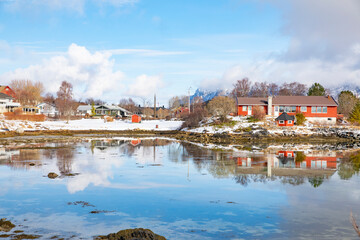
<point>180,191</point>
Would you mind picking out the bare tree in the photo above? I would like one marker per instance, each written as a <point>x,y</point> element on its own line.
<point>347,102</point>
<point>91,101</point>
<point>259,112</point>
<point>128,104</point>
<point>259,89</point>
<point>64,101</point>
<point>49,98</point>
<point>221,106</point>
<point>241,88</point>
<point>27,93</point>
<point>273,89</point>
<point>293,89</point>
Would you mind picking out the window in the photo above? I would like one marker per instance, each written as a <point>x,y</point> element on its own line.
<point>276,108</point>
<point>281,154</point>
<point>282,108</point>
<point>290,121</point>
<point>303,109</point>
<point>319,109</point>
<point>281,122</point>
<point>287,109</point>
<point>244,108</point>
<point>293,108</point>
<point>289,154</point>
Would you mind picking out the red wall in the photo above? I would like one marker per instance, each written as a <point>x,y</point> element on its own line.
<point>245,113</point>
<point>331,112</point>
<point>286,123</point>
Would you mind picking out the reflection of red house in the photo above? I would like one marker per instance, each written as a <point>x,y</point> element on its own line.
<point>135,118</point>
<point>135,142</point>
<point>311,161</point>
<point>8,91</point>
<point>316,108</point>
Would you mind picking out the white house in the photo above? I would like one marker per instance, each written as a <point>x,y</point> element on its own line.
<point>103,110</point>
<point>48,109</point>
<point>7,104</point>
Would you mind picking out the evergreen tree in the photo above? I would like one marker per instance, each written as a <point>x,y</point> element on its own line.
<point>316,90</point>
<point>355,114</point>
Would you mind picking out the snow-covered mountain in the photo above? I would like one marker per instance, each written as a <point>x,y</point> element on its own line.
<point>207,95</point>
<point>351,87</point>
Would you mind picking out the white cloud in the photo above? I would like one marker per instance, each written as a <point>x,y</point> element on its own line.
<point>91,72</point>
<point>145,86</point>
<point>324,47</point>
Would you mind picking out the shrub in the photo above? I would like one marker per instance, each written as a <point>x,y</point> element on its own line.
<point>193,119</point>
<point>258,113</point>
<point>221,106</point>
<point>300,156</point>
<point>27,117</point>
<point>300,119</point>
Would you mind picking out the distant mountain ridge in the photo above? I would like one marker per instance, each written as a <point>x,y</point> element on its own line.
<point>207,95</point>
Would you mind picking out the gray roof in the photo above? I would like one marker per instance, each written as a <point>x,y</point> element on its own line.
<point>286,117</point>
<point>85,107</point>
<point>5,96</point>
<point>289,101</point>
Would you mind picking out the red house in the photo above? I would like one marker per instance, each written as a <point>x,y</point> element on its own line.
<point>8,91</point>
<point>285,120</point>
<point>315,108</point>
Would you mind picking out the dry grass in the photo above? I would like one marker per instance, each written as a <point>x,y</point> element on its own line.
<point>26,117</point>
<point>353,222</point>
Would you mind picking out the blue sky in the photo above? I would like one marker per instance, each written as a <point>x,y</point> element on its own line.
<point>111,49</point>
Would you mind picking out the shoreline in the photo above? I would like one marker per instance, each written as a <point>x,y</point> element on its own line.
<point>204,138</point>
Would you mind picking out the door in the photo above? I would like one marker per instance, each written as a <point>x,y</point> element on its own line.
<point>276,111</point>
<point>249,110</point>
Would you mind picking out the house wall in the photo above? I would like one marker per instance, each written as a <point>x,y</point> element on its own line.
<point>245,113</point>
<point>285,124</point>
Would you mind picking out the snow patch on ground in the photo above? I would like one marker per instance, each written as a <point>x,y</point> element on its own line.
<point>90,124</point>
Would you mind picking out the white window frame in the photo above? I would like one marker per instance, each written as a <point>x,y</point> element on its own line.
<point>281,122</point>
<point>323,109</point>
<point>289,155</point>
<point>289,121</point>
<point>303,109</point>
<point>313,109</point>
<point>244,108</point>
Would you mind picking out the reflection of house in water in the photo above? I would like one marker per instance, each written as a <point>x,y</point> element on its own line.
<point>104,144</point>
<point>7,154</point>
<point>135,142</point>
<point>289,163</point>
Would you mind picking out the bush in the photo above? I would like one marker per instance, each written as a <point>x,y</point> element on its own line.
<point>258,113</point>
<point>27,117</point>
<point>300,119</point>
<point>193,119</point>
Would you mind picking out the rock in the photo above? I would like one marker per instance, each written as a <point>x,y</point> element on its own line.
<point>132,234</point>
<point>19,130</point>
<point>32,164</point>
<point>52,175</point>
<point>5,225</point>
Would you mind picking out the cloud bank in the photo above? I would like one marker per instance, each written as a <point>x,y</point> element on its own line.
<point>92,74</point>
<point>324,46</point>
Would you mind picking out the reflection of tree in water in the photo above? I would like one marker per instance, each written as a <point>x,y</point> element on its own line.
<point>65,157</point>
<point>349,166</point>
<point>316,181</point>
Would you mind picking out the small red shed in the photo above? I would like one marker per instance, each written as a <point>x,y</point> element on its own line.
<point>135,118</point>
<point>285,120</point>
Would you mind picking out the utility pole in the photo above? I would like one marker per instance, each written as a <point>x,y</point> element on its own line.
<point>189,99</point>
<point>154,105</point>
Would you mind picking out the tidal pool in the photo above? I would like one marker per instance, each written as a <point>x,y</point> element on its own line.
<point>179,190</point>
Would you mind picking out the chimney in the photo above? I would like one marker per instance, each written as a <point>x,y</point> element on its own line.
<point>270,112</point>
<point>329,97</point>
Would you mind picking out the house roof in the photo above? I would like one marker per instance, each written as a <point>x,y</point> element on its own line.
<point>112,107</point>
<point>85,107</point>
<point>289,100</point>
<point>284,116</point>
<point>5,96</point>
